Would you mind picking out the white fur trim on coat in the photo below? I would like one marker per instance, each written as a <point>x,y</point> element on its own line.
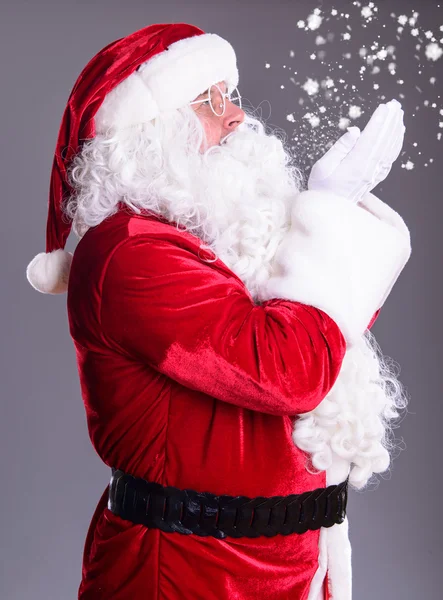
<point>340,257</point>
<point>335,552</point>
<point>168,81</point>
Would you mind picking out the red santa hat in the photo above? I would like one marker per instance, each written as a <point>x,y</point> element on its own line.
<point>132,80</point>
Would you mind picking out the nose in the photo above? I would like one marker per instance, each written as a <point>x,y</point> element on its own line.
<point>233,117</point>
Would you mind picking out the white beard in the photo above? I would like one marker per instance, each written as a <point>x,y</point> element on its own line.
<point>242,192</point>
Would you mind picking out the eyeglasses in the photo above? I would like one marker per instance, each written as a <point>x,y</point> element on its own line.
<point>217,99</point>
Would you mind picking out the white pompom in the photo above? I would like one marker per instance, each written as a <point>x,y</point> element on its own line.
<point>49,272</point>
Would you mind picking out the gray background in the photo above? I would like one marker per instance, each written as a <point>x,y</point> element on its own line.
<point>51,476</point>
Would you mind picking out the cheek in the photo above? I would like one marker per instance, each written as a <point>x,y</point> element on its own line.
<point>212,129</point>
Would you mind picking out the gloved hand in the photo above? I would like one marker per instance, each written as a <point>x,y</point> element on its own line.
<point>358,162</point>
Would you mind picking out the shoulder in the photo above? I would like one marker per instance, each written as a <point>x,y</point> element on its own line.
<point>127,235</point>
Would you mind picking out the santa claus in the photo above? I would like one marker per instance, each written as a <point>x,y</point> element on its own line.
<point>220,314</point>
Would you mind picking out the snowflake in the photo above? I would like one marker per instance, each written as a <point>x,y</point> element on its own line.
<point>412,21</point>
<point>344,123</point>
<point>375,70</point>
<point>319,40</point>
<point>328,83</point>
<point>376,86</point>
<point>409,165</point>
<point>313,56</point>
<point>311,87</point>
<point>267,65</point>
<point>354,112</point>
<point>414,32</point>
<point>347,55</point>
<point>366,12</point>
<point>301,24</point>
<point>440,124</point>
<point>314,120</point>
<point>432,80</point>
<point>314,21</point>
<point>334,12</point>
<point>402,19</point>
<point>363,51</point>
<point>429,34</point>
<point>400,81</point>
<point>346,36</point>
<point>433,51</point>
<point>291,53</point>
<point>441,111</point>
<point>322,109</point>
<point>382,54</point>
<point>290,118</point>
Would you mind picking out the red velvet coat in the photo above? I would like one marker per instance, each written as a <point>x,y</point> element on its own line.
<point>188,383</point>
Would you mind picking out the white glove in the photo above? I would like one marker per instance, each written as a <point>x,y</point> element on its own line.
<point>358,162</point>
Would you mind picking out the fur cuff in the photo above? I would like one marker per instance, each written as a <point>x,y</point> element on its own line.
<point>340,257</point>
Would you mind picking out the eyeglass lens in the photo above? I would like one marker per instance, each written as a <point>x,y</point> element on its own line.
<point>217,99</point>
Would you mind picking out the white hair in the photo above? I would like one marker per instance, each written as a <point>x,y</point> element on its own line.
<point>236,197</point>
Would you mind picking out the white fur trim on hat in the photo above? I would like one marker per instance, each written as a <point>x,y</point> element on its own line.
<point>49,272</point>
<point>340,257</point>
<point>168,81</point>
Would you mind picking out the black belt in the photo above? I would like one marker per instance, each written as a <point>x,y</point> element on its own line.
<point>186,511</point>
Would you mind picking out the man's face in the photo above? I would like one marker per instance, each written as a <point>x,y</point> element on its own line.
<point>216,127</point>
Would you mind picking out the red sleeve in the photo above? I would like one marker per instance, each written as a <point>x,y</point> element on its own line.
<point>197,324</point>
